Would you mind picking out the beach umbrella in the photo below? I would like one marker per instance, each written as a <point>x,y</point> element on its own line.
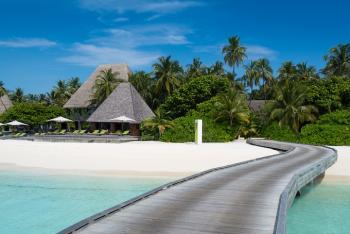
<point>60,119</point>
<point>16,123</point>
<point>123,119</point>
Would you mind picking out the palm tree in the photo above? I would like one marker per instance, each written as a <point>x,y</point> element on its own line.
<point>18,95</point>
<point>73,85</point>
<point>288,108</point>
<point>251,76</point>
<point>144,84</point>
<point>158,122</point>
<point>196,69</point>
<point>305,72</point>
<point>232,106</point>
<point>2,93</point>
<point>265,74</point>
<point>62,93</point>
<point>287,71</point>
<point>106,82</point>
<point>338,61</point>
<point>234,53</point>
<point>167,72</point>
<point>217,69</point>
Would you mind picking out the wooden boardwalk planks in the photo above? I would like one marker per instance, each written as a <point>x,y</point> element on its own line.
<point>242,198</point>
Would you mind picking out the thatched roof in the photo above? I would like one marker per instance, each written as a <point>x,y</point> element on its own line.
<point>82,97</point>
<point>124,101</point>
<point>257,105</point>
<point>5,103</point>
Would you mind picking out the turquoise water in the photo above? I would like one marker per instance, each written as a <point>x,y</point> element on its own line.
<point>42,203</point>
<point>322,209</point>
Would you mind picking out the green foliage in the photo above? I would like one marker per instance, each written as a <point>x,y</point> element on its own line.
<point>329,94</point>
<point>233,107</point>
<point>331,129</point>
<point>195,91</point>
<point>275,132</point>
<point>336,118</point>
<point>288,108</point>
<point>183,129</point>
<point>326,134</point>
<point>31,113</point>
<point>106,82</point>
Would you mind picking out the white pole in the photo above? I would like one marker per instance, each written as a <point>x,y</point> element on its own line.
<point>198,131</point>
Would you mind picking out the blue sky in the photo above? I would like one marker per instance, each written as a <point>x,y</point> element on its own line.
<point>42,41</point>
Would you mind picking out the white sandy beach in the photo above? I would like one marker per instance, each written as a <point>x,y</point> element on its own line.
<point>139,158</point>
<point>135,157</point>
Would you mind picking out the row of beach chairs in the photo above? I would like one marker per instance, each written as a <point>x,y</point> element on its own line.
<point>83,132</point>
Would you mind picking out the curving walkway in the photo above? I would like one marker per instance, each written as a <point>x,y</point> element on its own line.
<point>250,197</point>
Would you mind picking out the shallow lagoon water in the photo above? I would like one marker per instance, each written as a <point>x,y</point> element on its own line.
<point>32,202</point>
<point>323,209</point>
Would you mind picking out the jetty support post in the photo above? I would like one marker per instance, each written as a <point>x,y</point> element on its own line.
<point>198,131</point>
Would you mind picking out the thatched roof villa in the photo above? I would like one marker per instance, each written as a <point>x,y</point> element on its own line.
<point>82,97</point>
<point>124,101</point>
<point>5,103</point>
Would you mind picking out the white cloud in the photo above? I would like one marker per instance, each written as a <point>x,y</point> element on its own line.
<point>121,19</point>
<point>139,6</point>
<point>126,45</point>
<point>256,52</point>
<point>92,55</point>
<point>144,35</point>
<point>27,43</point>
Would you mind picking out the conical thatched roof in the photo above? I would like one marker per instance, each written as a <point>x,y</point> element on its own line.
<point>82,97</point>
<point>257,105</point>
<point>5,103</point>
<point>124,101</point>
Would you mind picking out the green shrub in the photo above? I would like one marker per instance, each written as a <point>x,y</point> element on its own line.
<point>195,91</point>
<point>184,130</point>
<point>31,113</point>
<point>275,132</point>
<point>325,134</point>
<point>184,127</point>
<point>337,118</point>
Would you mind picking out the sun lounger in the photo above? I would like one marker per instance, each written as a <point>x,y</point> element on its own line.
<point>126,132</point>
<point>62,132</point>
<point>37,134</point>
<point>42,134</point>
<point>103,132</point>
<point>82,131</point>
<point>96,132</point>
<point>76,132</point>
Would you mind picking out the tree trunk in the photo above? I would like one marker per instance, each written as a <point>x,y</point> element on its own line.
<point>3,103</point>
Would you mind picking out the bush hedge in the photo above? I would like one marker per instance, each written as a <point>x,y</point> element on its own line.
<point>184,127</point>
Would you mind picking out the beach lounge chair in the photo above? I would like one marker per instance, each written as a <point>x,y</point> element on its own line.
<point>96,132</point>
<point>62,132</point>
<point>103,132</point>
<point>37,134</point>
<point>82,131</point>
<point>22,134</point>
<point>55,132</point>
<point>42,134</point>
<point>126,132</point>
<point>118,132</point>
<point>76,132</point>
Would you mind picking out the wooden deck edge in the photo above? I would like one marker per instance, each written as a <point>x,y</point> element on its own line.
<point>297,182</point>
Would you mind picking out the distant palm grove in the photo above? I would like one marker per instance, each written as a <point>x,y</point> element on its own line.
<point>295,103</point>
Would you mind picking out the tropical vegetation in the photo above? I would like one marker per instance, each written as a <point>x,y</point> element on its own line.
<point>303,104</point>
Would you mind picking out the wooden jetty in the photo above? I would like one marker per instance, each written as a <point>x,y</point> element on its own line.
<point>249,197</point>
